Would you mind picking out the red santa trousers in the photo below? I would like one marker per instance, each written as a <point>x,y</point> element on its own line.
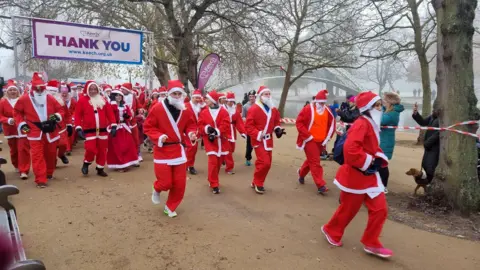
<point>136,139</point>
<point>96,149</point>
<point>262,165</point>
<point>191,153</point>
<point>349,207</point>
<point>214,164</point>
<point>62,144</point>
<point>44,157</point>
<point>313,150</point>
<point>173,179</point>
<point>71,141</point>
<point>20,154</point>
<point>230,164</point>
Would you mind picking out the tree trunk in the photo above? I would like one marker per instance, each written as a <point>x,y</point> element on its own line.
<point>456,174</point>
<point>161,71</point>
<point>286,87</point>
<point>426,90</point>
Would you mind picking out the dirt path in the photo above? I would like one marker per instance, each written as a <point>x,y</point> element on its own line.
<point>92,223</point>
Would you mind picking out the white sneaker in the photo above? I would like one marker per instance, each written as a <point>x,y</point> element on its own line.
<point>16,170</point>
<point>140,158</point>
<point>385,190</point>
<point>169,213</point>
<point>155,197</point>
<point>23,176</point>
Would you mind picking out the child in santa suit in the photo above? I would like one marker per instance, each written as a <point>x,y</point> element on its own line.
<point>121,152</point>
<point>262,120</point>
<point>316,125</point>
<point>359,180</point>
<point>165,125</point>
<point>236,124</point>
<point>17,141</point>
<point>214,126</point>
<point>130,98</point>
<point>194,106</point>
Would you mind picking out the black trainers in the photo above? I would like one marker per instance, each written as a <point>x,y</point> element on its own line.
<point>41,185</point>
<point>101,172</point>
<point>216,190</point>
<point>192,170</point>
<point>85,168</point>
<point>64,160</point>
<point>259,190</point>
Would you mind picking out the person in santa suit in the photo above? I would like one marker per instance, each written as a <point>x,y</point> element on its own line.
<point>121,152</point>
<point>71,103</point>
<point>132,102</point>
<point>236,124</point>
<point>92,117</point>
<point>214,126</point>
<point>65,125</point>
<point>142,98</point>
<point>162,94</point>
<point>165,126</point>
<point>262,120</point>
<point>316,125</point>
<point>17,141</point>
<point>37,115</point>
<point>194,106</point>
<point>107,90</point>
<point>222,100</point>
<point>359,180</point>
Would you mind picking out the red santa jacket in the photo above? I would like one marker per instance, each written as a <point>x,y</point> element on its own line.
<point>67,119</point>
<point>119,114</point>
<point>361,148</point>
<point>142,100</point>
<point>220,121</point>
<point>25,112</point>
<point>236,124</point>
<point>189,107</point>
<point>10,128</point>
<point>134,106</point>
<point>304,123</point>
<point>260,125</point>
<point>159,124</point>
<point>94,123</point>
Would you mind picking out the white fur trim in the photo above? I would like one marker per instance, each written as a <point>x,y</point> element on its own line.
<point>382,156</point>
<point>160,143</point>
<point>196,96</point>
<point>231,99</point>
<point>122,166</point>
<point>206,129</point>
<point>118,92</point>
<point>369,104</point>
<point>20,127</point>
<point>59,117</point>
<point>259,136</point>
<point>305,142</point>
<point>176,89</point>
<point>424,175</point>
<point>122,87</point>
<point>368,162</point>
<point>320,100</point>
<point>78,128</point>
<point>210,98</point>
<point>11,121</point>
<point>218,132</point>
<point>371,192</point>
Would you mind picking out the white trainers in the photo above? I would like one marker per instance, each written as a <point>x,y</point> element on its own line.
<point>155,197</point>
<point>140,158</point>
<point>23,176</point>
<point>169,213</point>
<point>385,191</point>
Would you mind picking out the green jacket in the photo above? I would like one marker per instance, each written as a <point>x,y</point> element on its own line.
<point>387,135</point>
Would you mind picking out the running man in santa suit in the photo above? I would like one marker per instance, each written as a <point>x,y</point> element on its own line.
<point>37,115</point>
<point>359,180</point>
<point>17,141</point>
<point>194,106</point>
<point>262,120</point>
<point>316,125</point>
<point>236,124</point>
<point>132,102</point>
<point>214,126</point>
<point>92,117</point>
<point>165,126</point>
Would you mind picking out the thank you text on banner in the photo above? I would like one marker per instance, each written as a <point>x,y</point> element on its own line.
<point>69,41</point>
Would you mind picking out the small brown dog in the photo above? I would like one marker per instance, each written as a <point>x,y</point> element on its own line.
<point>418,177</point>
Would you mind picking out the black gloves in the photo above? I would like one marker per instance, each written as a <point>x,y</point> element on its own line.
<point>126,116</point>
<point>80,134</point>
<point>53,117</point>
<point>25,128</point>
<point>211,137</point>
<point>113,132</point>
<point>374,167</point>
<point>279,132</point>
<point>211,131</point>
<point>69,131</point>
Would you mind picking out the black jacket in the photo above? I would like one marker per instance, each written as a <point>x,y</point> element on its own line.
<point>431,144</point>
<point>349,115</point>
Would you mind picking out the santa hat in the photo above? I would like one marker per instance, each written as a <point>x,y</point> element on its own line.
<point>221,95</point>
<point>391,97</point>
<point>365,100</point>
<point>155,92</point>
<point>107,87</point>
<point>231,96</point>
<point>321,96</point>
<point>137,85</point>
<point>53,85</point>
<point>175,86</point>
<point>126,86</point>
<point>213,96</point>
<point>117,92</point>
<point>163,90</point>
<point>197,93</point>
<point>135,92</point>
<point>87,85</point>
<point>37,80</point>
<point>11,84</point>
<point>262,90</point>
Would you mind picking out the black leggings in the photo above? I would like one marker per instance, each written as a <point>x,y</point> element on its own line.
<point>384,174</point>
<point>248,152</point>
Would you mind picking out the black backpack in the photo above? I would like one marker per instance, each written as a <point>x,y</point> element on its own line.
<point>338,149</point>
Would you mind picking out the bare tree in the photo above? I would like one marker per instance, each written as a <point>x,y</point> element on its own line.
<point>456,174</point>
<point>383,72</point>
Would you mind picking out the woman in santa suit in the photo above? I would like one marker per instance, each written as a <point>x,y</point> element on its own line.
<point>359,180</point>
<point>17,141</point>
<point>121,152</point>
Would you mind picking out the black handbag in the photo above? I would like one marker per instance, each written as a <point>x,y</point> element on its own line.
<point>46,126</point>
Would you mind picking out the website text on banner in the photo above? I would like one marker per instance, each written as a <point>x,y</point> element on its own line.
<point>70,41</point>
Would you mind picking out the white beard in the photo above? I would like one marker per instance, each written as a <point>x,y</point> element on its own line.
<point>40,98</point>
<point>97,102</point>
<point>376,116</point>
<point>161,98</point>
<point>177,102</point>
<point>267,101</point>
<point>196,107</point>
<point>231,110</point>
<point>320,108</point>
